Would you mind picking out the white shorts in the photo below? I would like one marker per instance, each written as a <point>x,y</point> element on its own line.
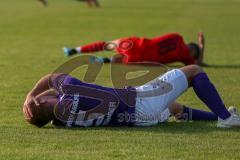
<point>154,97</point>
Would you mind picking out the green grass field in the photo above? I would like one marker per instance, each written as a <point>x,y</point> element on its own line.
<point>31,38</point>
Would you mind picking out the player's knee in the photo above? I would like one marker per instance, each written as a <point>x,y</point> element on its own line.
<point>195,69</point>
<point>191,70</point>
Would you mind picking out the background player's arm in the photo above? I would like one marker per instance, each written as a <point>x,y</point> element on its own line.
<point>201,44</point>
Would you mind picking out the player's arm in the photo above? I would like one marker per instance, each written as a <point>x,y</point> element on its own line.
<point>44,84</point>
<point>40,101</point>
<point>201,44</point>
<point>39,110</point>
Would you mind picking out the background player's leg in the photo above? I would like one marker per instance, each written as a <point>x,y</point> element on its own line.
<point>89,48</point>
<point>43,2</point>
<point>97,4</point>
<point>89,3</point>
<point>105,59</point>
<point>118,58</point>
<point>205,90</point>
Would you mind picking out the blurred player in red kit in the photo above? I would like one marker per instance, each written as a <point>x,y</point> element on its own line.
<point>164,49</point>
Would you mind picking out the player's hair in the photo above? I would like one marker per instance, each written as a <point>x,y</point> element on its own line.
<point>39,117</point>
<point>197,51</point>
<point>38,122</point>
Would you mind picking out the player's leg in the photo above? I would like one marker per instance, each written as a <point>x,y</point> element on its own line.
<point>207,92</point>
<point>182,112</point>
<point>154,98</point>
<point>89,48</point>
<point>43,2</point>
<point>153,101</point>
<point>89,2</point>
<point>118,58</point>
<point>96,3</point>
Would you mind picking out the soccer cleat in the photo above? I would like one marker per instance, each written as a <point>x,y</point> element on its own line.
<point>232,121</point>
<point>233,110</point>
<point>69,51</point>
<point>106,60</point>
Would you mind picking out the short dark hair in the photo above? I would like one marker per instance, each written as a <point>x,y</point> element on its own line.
<point>196,48</point>
<point>38,119</point>
<point>38,122</point>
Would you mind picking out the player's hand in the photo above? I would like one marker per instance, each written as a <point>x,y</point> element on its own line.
<point>201,40</point>
<point>31,100</point>
<point>28,107</point>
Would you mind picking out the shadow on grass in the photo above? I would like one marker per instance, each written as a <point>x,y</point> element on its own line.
<point>235,66</point>
<point>215,66</point>
<point>169,127</point>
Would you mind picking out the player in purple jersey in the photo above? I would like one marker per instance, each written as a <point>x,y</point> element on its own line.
<point>68,102</point>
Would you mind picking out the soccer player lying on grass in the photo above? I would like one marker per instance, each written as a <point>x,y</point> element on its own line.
<point>68,102</point>
<point>164,49</point>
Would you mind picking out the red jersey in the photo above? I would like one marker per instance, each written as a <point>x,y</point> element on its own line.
<point>165,49</point>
